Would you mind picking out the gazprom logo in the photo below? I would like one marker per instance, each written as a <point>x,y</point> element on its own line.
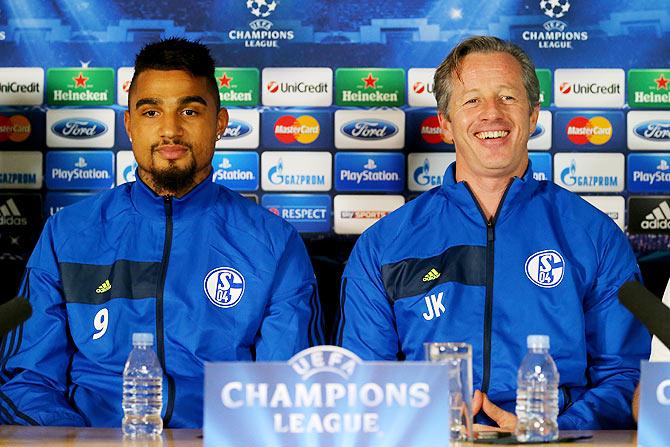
<point>129,172</point>
<point>545,268</point>
<point>79,128</point>
<point>569,177</point>
<point>653,130</point>
<point>369,129</point>
<point>422,175</point>
<point>276,176</point>
<point>236,129</point>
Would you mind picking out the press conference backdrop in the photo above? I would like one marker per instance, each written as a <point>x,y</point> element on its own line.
<point>333,124</point>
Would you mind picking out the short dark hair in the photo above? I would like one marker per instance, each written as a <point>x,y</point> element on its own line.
<point>176,53</point>
<point>483,44</point>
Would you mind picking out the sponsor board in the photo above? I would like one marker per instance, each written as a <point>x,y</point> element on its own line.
<point>261,32</point>
<point>591,172</point>
<point>125,167</point>
<point>124,76</point>
<point>369,129</point>
<point>355,214</point>
<point>540,139</point>
<point>648,130</point>
<point>613,206</point>
<point>589,130</point>
<point>20,170</point>
<point>80,86</point>
<point>243,130</point>
<point>541,165</point>
<point>589,87</point>
<point>78,170</point>
<point>297,86</point>
<point>555,33</point>
<point>56,201</point>
<point>649,173</point>
<point>370,87</point>
<point>80,128</point>
<point>424,132</point>
<point>296,171</point>
<point>297,129</point>
<point>237,86</point>
<point>649,215</point>
<point>20,225</point>
<point>24,128</point>
<point>308,213</point>
<point>425,170</point>
<point>369,171</point>
<point>648,88</point>
<point>21,86</point>
<point>544,76</point>
<point>420,87</point>
<point>236,170</point>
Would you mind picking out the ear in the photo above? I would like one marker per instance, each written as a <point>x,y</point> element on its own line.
<point>221,121</point>
<point>445,128</point>
<point>126,124</point>
<point>534,115</point>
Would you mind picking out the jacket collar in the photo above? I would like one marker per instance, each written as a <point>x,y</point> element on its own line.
<point>518,192</point>
<point>191,205</point>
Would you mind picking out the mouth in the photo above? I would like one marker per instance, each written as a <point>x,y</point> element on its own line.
<point>172,151</point>
<point>492,134</point>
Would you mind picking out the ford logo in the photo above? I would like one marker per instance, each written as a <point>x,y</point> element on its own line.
<point>79,128</point>
<point>236,129</point>
<point>654,130</point>
<point>539,130</point>
<point>369,129</point>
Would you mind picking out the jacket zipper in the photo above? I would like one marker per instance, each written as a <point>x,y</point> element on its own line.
<point>160,339</point>
<point>488,305</point>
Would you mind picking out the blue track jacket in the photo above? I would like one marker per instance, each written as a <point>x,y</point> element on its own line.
<point>212,275</point>
<point>547,263</point>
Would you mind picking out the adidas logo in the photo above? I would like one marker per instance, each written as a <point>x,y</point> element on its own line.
<point>658,219</point>
<point>10,214</point>
<point>432,275</point>
<point>104,287</point>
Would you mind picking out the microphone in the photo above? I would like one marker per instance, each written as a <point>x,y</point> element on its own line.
<point>13,313</point>
<point>647,308</point>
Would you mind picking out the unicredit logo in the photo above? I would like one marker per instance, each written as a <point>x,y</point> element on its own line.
<point>430,130</point>
<point>296,87</point>
<point>592,88</point>
<point>565,88</point>
<point>422,87</point>
<point>653,130</point>
<point>236,129</point>
<point>369,129</point>
<point>79,128</point>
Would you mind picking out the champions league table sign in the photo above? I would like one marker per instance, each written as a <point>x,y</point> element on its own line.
<point>326,396</point>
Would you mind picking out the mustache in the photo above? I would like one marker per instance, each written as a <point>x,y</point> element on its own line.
<point>175,141</point>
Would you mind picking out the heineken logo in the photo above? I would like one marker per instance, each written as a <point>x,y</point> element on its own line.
<point>80,86</point>
<point>370,81</point>
<point>80,80</point>
<point>237,86</point>
<point>224,80</point>
<point>370,87</point>
<point>79,128</point>
<point>661,82</point>
<point>648,88</point>
<point>369,130</point>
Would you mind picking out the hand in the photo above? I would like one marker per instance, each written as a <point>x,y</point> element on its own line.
<point>506,421</point>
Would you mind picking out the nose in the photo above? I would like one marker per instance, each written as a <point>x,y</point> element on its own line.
<point>170,126</point>
<point>491,109</point>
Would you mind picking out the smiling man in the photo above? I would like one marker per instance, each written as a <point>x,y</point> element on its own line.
<point>493,255</point>
<point>212,275</point>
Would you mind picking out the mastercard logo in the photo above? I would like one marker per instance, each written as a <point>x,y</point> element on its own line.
<point>430,130</point>
<point>303,129</point>
<point>16,128</point>
<point>596,130</point>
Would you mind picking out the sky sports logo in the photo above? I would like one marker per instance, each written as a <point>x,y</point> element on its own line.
<point>426,169</point>
<point>589,130</point>
<point>296,171</point>
<point>308,213</point>
<point>369,171</point>
<point>80,170</point>
<point>369,129</point>
<point>648,130</point>
<point>591,172</point>
<point>649,173</point>
<point>355,214</point>
<point>297,86</point>
<point>593,87</point>
<point>236,170</point>
<point>242,131</point>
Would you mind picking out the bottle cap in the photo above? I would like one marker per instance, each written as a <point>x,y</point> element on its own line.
<point>538,341</point>
<point>143,339</point>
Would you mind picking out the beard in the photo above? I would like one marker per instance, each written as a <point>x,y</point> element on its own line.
<point>174,178</point>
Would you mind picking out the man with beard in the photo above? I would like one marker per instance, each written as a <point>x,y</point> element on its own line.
<point>212,275</point>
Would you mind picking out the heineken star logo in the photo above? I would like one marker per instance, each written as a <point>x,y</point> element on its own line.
<point>661,83</point>
<point>370,81</point>
<point>224,81</point>
<point>80,80</point>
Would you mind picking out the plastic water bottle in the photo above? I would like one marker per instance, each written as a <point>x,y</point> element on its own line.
<point>142,390</point>
<point>537,393</point>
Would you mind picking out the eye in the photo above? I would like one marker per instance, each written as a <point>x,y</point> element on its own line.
<point>189,112</point>
<point>150,113</point>
<point>472,101</point>
<point>508,98</point>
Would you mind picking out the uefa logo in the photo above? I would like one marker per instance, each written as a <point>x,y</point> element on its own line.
<point>224,287</point>
<point>545,268</point>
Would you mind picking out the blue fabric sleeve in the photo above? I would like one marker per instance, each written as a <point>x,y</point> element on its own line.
<point>36,355</point>
<point>616,342</point>
<point>292,320</point>
<point>366,323</point>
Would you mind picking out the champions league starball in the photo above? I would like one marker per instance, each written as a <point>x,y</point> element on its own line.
<point>261,8</point>
<point>555,8</point>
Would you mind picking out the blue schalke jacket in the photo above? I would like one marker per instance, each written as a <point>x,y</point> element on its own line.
<point>547,263</point>
<point>212,275</point>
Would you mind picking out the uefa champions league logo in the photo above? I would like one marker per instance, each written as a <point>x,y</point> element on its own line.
<point>554,9</point>
<point>261,8</point>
